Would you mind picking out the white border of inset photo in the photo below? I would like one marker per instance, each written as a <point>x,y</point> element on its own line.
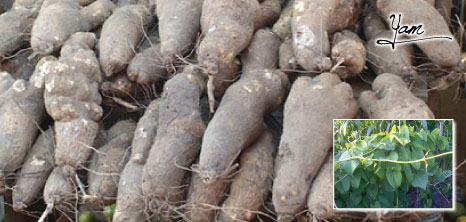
<point>400,209</point>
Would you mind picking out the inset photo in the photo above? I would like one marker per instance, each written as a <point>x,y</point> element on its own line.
<point>405,164</point>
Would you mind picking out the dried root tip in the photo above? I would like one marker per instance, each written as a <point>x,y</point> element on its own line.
<point>47,211</point>
<point>19,206</point>
<point>285,218</point>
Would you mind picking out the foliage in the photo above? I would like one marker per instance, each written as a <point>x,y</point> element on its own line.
<point>393,163</point>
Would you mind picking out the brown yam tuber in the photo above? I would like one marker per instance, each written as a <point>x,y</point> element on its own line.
<point>348,54</point>
<point>443,52</point>
<point>320,200</point>
<point>307,137</point>
<point>260,90</point>
<point>178,141</point>
<point>72,99</point>
<point>53,27</point>
<point>145,133</point>
<point>312,22</point>
<point>120,35</point>
<point>21,112</point>
<point>108,162</point>
<point>391,99</point>
<point>147,66</point>
<point>34,172</point>
<point>252,185</point>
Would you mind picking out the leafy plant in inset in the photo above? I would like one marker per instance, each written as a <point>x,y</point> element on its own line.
<point>387,164</point>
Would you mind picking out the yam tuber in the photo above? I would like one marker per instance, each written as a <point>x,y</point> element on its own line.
<point>250,188</point>
<point>313,21</point>
<point>34,172</point>
<point>443,52</point>
<point>307,137</point>
<point>391,99</point>
<point>107,164</point>
<point>120,35</point>
<point>260,90</point>
<point>178,141</point>
<point>348,54</point>
<point>72,99</point>
<point>147,66</point>
<point>21,112</point>
<point>320,200</point>
<point>145,133</point>
<point>179,23</point>
<point>52,27</point>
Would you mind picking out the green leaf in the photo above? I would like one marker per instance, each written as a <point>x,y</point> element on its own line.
<point>416,154</point>
<point>345,182</point>
<point>361,146</point>
<point>443,143</point>
<point>356,178</point>
<point>429,202</point>
<point>349,165</point>
<point>377,205</point>
<point>394,177</point>
<point>408,173</point>
<point>404,132</point>
<point>380,173</point>
<point>379,154</point>
<point>420,179</point>
<point>372,191</point>
<point>356,197</point>
<point>339,188</point>
<point>392,156</point>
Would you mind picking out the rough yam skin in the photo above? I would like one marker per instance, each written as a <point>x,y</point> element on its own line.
<point>109,162</point>
<point>6,80</point>
<point>16,24</point>
<point>34,172</point>
<point>307,137</point>
<point>51,28</point>
<point>179,23</point>
<point>204,198</point>
<point>320,200</point>
<point>251,186</point>
<point>349,48</point>
<point>442,52</point>
<point>59,188</point>
<point>178,141</point>
<point>383,59</point>
<point>283,26</point>
<point>228,27</point>
<point>120,35</point>
<point>390,98</point>
<point>311,24</point>
<point>268,14</point>
<point>120,86</point>
<point>73,100</point>
<point>147,66</point>
<point>21,112</point>
<point>130,206</point>
<point>286,59</point>
<point>259,91</point>
<point>145,133</point>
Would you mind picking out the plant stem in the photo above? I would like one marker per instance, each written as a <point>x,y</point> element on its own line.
<point>395,161</point>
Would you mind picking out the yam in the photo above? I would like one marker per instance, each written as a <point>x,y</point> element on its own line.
<point>147,66</point>
<point>107,164</point>
<point>251,187</point>
<point>320,200</point>
<point>399,61</point>
<point>21,111</point>
<point>287,60</point>
<point>312,22</point>
<point>204,199</point>
<point>15,26</point>
<point>348,54</point>
<point>178,141</point>
<point>120,35</point>
<point>52,28</point>
<point>179,23</point>
<point>34,172</point>
<point>145,133</point>
<point>307,137</point>
<point>283,26</point>
<point>59,189</point>
<point>443,52</point>
<point>72,99</point>
<point>390,98</point>
<point>260,90</point>
<point>130,206</point>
